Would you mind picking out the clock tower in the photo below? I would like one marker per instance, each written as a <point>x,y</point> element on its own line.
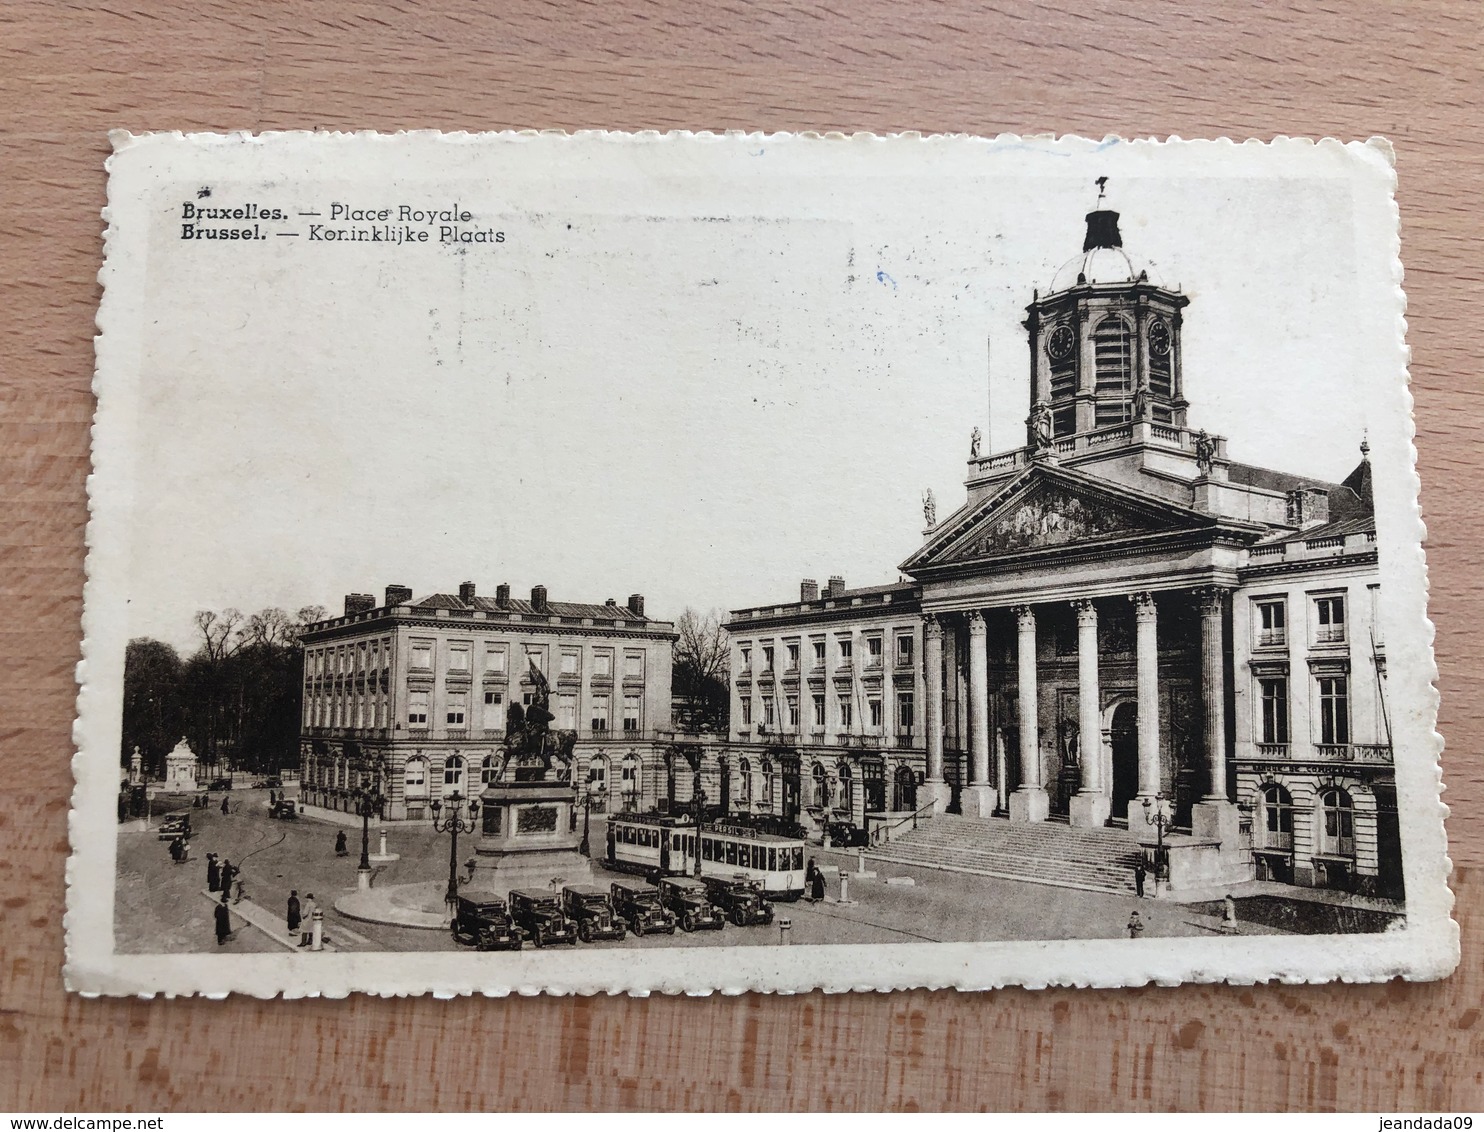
<point>1104,341</point>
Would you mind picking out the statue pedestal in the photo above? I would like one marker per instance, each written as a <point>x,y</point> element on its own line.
<point>528,839</point>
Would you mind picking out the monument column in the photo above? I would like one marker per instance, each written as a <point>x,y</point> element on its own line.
<point>1029,803</point>
<point>1091,804</point>
<point>978,799</point>
<point>1146,649</point>
<point>934,788</point>
<point>1214,818</point>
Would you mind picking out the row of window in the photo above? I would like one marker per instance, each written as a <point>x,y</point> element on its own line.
<point>875,645</point>
<point>564,707</point>
<point>844,711</point>
<point>455,768</point>
<point>1331,693</point>
<point>1327,619</point>
<point>459,658</point>
<point>1334,807</point>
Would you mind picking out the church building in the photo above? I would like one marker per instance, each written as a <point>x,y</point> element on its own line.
<point>1126,626</point>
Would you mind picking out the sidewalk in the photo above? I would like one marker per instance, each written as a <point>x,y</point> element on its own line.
<point>274,927</point>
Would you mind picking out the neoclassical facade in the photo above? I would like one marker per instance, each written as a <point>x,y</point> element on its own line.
<point>1123,620</point>
<point>419,691</point>
<point>824,713</point>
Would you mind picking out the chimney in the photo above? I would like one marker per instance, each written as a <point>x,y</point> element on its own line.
<point>538,598</point>
<point>611,602</point>
<point>636,604</point>
<point>359,603</point>
<point>808,590</point>
<point>1102,230</point>
<point>396,595</point>
<point>1307,507</point>
<point>836,586</point>
<point>466,593</point>
<point>502,595</point>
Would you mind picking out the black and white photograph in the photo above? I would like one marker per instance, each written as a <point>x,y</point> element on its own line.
<point>639,562</point>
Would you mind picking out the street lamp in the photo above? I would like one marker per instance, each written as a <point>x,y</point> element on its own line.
<point>453,824</point>
<point>1155,815</point>
<point>589,797</point>
<point>369,800</point>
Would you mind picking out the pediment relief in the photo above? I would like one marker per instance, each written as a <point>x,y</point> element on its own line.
<point>1049,515</point>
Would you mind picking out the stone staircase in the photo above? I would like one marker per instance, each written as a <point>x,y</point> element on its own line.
<point>1095,860</point>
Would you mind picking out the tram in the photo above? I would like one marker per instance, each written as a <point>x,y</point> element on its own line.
<point>666,845</point>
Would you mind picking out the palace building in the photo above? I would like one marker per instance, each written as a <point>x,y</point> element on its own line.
<point>1122,621</point>
<point>418,693</point>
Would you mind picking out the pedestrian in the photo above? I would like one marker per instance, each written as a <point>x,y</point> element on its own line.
<point>306,925</point>
<point>224,805</point>
<point>816,883</point>
<point>223,922</point>
<point>1135,926</point>
<point>213,873</point>
<point>340,849</point>
<point>1139,873</point>
<point>228,872</point>
<point>293,911</point>
<point>177,853</point>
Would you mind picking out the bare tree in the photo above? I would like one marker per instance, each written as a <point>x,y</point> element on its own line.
<point>219,636</point>
<point>270,626</point>
<point>701,686</point>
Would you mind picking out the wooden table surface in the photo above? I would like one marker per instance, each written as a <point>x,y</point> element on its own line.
<point>1410,71</point>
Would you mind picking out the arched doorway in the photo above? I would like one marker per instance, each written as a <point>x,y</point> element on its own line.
<point>1124,742</point>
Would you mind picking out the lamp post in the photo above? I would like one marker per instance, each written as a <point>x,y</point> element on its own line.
<point>589,797</point>
<point>453,825</point>
<point>1155,815</point>
<point>369,800</point>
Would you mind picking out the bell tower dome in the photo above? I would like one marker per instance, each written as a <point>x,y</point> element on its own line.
<point>1105,340</point>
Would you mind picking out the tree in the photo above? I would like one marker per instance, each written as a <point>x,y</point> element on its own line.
<point>153,718</point>
<point>701,684</point>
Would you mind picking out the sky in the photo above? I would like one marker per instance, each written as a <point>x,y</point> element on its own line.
<point>695,370</point>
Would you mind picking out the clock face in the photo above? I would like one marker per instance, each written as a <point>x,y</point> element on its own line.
<point>1159,338</point>
<point>1061,343</point>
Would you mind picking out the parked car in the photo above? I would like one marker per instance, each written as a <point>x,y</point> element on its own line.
<point>176,825</point>
<point>639,905</point>
<point>740,898</point>
<point>284,809</point>
<point>847,836</point>
<point>686,897</point>
<point>592,911</point>
<point>273,783</point>
<point>485,925</point>
<point>220,784</point>
<point>539,917</point>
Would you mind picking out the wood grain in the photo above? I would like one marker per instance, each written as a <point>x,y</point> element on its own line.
<point>1410,71</point>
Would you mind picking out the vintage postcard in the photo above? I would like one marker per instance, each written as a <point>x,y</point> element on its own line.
<point>639,562</point>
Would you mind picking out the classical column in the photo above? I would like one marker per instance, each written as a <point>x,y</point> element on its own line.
<point>1215,818</point>
<point>978,798</point>
<point>934,789</point>
<point>1146,647</point>
<point>1029,803</point>
<point>1091,804</point>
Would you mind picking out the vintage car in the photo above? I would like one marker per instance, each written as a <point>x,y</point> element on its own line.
<point>846,836</point>
<point>220,784</point>
<point>484,924</point>
<point>740,898</point>
<point>686,897</point>
<point>539,917</point>
<point>176,825</point>
<point>284,809</point>
<point>639,905</point>
<point>591,910</point>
